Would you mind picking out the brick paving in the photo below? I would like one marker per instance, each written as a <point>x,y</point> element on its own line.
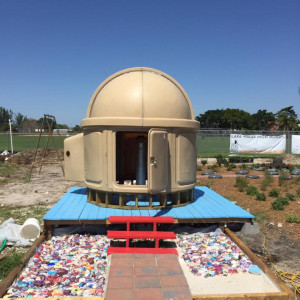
<point>146,276</point>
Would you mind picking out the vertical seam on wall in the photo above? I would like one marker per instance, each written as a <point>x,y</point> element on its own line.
<point>142,97</point>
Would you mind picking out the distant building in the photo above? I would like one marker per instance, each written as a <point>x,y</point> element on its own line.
<point>60,131</point>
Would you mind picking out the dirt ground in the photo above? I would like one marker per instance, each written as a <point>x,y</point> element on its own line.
<point>282,238</point>
<point>43,188</point>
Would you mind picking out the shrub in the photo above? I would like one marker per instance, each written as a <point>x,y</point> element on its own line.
<point>251,190</point>
<point>274,193</point>
<point>284,201</point>
<point>298,192</point>
<point>292,219</point>
<point>277,205</point>
<point>260,197</point>
<point>267,181</point>
<point>230,167</point>
<point>221,160</point>
<point>214,167</point>
<point>255,166</point>
<point>290,196</point>
<point>204,162</point>
<point>199,168</point>
<point>243,167</point>
<point>241,183</point>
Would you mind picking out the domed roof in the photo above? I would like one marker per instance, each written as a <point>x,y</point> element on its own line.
<point>140,97</point>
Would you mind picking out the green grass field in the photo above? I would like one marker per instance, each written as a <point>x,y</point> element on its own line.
<point>212,146</point>
<point>206,146</point>
<point>27,142</point>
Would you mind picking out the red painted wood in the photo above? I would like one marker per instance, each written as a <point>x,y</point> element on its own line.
<point>112,250</point>
<point>128,234</point>
<point>141,234</point>
<point>132,219</point>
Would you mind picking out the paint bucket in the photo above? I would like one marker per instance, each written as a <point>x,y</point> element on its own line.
<point>31,229</point>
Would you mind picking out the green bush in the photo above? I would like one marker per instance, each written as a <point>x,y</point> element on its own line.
<point>284,201</point>
<point>292,219</point>
<point>243,167</point>
<point>221,160</point>
<point>214,167</point>
<point>290,196</point>
<point>260,197</point>
<point>274,193</point>
<point>230,167</point>
<point>251,190</point>
<point>204,162</point>
<point>277,205</point>
<point>241,183</point>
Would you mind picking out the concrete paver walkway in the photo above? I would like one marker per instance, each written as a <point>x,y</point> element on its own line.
<point>146,276</point>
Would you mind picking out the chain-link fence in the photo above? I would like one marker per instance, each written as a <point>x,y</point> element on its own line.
<point>213,142</point>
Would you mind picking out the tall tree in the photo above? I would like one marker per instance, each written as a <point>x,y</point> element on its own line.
<point>287,118</point>
<point>236,118</point>
<point>5,115</point>
<point>262,120</point>
<point>19,119</point>
<point>29,125</point>
<point>211,119</point>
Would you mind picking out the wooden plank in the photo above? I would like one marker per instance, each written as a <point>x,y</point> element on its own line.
<point>254,296</point>
<point>119,234</point>
<point>7,282</point>
<point>258,262</point>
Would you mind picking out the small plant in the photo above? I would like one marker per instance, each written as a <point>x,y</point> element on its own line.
<point>204,162</point>
<point>241,183</point>
<point>274,193</point>
<point>296,180</point>
<point>199,168</point>
<point>283,200</point>
<point>298,192</point>
<point>260,197</point>
<point>292,219</point>
<point>267,181</point>
<point>220,160</point>
<point>255,166</point>
<point>277,205</point>
<point>251,190</point>
<point>230,167</point>
<point>243,167</point>
<point>290,196</point>
<point>260,216</point>
<point>214,167</point>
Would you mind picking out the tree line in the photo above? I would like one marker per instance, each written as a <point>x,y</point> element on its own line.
<point>231,118</point>
<point>21,123</point>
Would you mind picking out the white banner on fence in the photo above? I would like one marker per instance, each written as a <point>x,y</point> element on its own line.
<point>296,144</point>
<point>240,143</point>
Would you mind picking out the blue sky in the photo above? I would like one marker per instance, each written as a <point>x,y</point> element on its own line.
<point>232,53</point>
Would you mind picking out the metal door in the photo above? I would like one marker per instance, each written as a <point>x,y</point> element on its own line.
<point>157,160</point>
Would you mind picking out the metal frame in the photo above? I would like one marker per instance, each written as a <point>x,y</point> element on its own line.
<point>47,120</point>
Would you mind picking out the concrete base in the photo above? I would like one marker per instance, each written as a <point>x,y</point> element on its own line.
<point>250,229</point>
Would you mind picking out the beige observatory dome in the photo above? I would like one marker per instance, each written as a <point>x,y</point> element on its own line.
<point>140,97</point>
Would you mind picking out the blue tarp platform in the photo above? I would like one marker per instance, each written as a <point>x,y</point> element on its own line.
<point>208,207</point>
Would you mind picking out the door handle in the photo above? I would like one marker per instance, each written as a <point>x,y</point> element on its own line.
<point>153,161</point>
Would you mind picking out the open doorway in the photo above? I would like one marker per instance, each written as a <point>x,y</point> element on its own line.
<point>131,158</point>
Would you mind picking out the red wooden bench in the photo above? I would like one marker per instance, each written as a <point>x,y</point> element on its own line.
<point>128,234</point>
